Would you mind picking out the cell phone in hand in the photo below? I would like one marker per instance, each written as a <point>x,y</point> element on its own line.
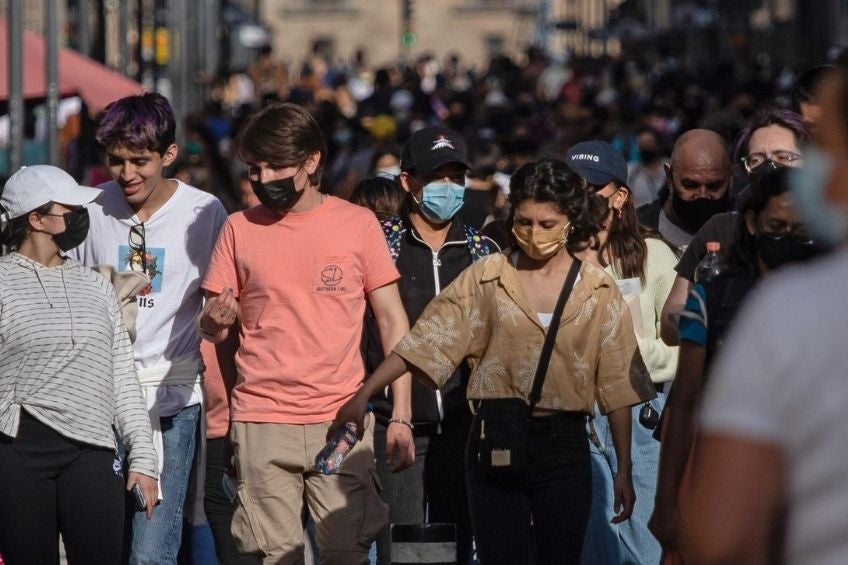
<point>648,416</point>
<point>140,501</point>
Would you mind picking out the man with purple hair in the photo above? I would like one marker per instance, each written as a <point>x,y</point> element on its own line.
<point>165,229</point>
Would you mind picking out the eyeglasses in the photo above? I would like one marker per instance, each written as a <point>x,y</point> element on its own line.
<point>784,158</point>
<point>137,243</point>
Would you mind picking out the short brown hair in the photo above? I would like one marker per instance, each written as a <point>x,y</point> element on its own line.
<point>282,135</point>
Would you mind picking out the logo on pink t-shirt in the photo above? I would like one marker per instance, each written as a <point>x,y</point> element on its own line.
<point>331,276</point>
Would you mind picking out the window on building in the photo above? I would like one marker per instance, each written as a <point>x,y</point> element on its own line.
<point>323,47</point>
<point>494,45</point>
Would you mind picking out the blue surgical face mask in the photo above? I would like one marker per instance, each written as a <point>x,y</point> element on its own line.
<point>827,222</point>
<point>440,201</point>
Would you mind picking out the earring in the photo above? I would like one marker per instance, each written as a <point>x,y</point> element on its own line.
<point>618,213</point>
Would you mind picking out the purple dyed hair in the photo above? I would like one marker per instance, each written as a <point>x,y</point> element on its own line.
<point>143,122</point>
<point>771,117</point>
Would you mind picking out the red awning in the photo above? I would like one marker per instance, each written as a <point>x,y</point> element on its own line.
<point>97,84</point>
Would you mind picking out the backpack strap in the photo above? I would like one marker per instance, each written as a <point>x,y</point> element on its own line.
<point>478,245</point>
<point>393,230</point>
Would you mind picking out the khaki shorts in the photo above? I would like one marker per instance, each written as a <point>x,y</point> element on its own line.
<point>275,464</point>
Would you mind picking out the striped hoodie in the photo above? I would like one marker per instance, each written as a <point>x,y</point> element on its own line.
<point>66,358</point>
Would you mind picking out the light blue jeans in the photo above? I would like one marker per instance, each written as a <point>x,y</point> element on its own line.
<point>628,543</point>
<point>157,541</point>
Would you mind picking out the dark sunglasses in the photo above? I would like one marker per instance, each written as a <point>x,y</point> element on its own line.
<point>137,243</point>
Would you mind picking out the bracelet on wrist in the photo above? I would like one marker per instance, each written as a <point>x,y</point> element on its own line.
<point>402,422</point>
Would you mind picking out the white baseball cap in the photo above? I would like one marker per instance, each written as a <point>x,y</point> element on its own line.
<point>32,187</point>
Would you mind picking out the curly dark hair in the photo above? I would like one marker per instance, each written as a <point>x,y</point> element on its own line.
<point>551,180</point>
<point>743,253</point>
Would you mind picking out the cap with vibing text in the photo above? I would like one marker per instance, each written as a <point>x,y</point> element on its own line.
<point>598,162</point>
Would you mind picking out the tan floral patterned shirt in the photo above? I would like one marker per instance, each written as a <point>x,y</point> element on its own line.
<point>484,317</point>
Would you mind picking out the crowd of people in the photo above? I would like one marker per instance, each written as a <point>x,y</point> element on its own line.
<point>508,308</point>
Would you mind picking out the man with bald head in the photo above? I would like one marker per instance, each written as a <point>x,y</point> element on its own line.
<point>698,178</point>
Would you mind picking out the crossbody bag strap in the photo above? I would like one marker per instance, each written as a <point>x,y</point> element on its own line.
<point>550,335</point>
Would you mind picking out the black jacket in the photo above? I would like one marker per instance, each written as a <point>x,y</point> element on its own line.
<point>424,273</point>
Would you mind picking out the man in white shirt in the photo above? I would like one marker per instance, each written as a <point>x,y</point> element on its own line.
<point>167,230</point>
<point>771,452</point>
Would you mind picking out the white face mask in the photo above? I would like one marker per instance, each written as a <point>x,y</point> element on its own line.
<point>390,173</point>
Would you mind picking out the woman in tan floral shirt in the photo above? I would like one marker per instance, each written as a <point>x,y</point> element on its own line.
<point>495,315</point>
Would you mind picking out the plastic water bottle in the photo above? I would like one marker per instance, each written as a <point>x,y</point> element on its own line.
<point>329,460</point>
<point>711,265</point>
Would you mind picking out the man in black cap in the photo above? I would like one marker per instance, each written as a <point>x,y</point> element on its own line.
<point>431,246</point>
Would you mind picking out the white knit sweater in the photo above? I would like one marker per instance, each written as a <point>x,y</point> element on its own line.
<point>660,359</point>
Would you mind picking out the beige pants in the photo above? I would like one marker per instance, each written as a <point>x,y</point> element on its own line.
<point>276,475</point>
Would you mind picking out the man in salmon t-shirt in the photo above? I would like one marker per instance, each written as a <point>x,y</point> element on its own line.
<point>296,272</point>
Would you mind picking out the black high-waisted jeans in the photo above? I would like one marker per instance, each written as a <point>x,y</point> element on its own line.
<point>50,484</point>
<point>554,494</point>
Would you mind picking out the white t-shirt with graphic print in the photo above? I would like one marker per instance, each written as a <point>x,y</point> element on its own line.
<point>178,243</point>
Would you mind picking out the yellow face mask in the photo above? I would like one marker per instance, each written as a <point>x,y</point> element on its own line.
<point>539,244</point>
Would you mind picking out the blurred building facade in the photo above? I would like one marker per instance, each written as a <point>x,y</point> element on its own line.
<point>158,40</point>
<point>791,32</point>
<point>390,30</point>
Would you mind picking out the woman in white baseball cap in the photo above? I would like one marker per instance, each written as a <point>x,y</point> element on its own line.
<point>67,383</point>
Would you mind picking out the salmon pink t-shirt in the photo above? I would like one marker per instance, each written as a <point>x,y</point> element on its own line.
<point>301,282</point>
<point>217,393</point>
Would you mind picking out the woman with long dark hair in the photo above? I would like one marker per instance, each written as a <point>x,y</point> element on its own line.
<point>643,266</point>
<point>528,453</point>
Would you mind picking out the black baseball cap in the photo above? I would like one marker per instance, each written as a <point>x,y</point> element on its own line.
<point>428,149</point>
<point>598,162</point>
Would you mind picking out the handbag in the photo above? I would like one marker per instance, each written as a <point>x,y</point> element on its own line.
<point>503,422</point>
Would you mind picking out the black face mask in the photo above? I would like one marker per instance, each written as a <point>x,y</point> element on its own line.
<point>76,229</point>
<point>277,195</point>
<point>695,213</point>
<point>775,250</point>
<point>766,166</point>
<point>649,155</point>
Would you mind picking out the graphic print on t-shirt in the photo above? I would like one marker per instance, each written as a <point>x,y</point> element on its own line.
<point>329,275</point>
<point>151,262</point>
